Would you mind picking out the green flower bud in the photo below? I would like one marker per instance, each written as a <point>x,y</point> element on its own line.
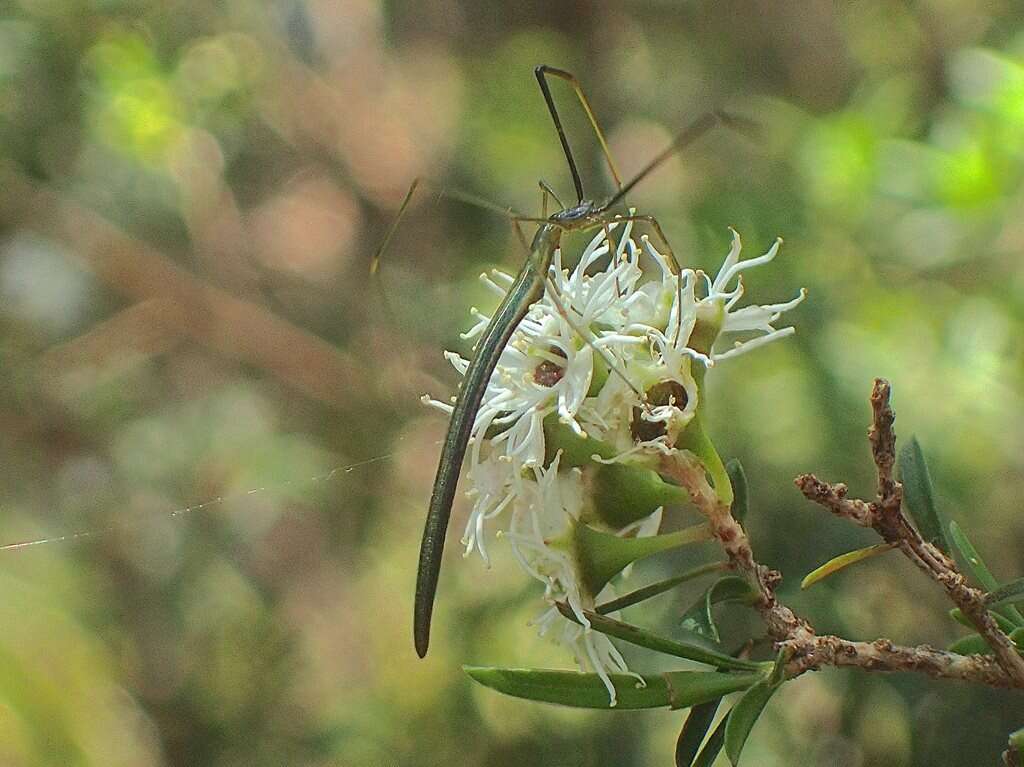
<point>600,556</point>
<point>710,319</point>
<point>618,494</point>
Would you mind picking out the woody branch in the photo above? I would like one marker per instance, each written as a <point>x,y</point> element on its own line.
<point>806,650</point>
<point>885,516</point>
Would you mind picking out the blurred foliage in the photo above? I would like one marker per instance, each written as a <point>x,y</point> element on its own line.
<point>199,372</point>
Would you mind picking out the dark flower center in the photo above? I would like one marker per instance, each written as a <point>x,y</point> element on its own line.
<point>663,393</point>
<point>548,373</point>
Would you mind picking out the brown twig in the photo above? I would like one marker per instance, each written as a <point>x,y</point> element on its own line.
<point>883,655</point>
<point>885,515</point>
<point>883,447</point>
<point>782,623</point>
<point>806,650</point>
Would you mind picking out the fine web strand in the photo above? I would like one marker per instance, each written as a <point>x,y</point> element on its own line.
<point>78,535</point>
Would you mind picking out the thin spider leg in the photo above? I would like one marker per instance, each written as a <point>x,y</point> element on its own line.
<point>546,188</point>
<point>570,78</point>
<point>376,282</point>
<point>672,262</point>
<point>589,339</point>
<point>442,191</point>
<point>535,220</point>
<point>566,149</point>
<point>522,237</point>
<point>683,139</point>
<point>584,333</point>
<point>613,249</point>
<point>375,261</point>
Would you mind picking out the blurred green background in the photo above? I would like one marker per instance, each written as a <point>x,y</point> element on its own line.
<point>197,368</point>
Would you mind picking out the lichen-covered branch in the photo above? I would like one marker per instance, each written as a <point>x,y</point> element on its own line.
<point>883,655</point>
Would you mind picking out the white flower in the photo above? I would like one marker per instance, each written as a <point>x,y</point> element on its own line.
<point>544,511</point>
<point>749,318</point>
<point>629,384</point>
<point>590,649</point>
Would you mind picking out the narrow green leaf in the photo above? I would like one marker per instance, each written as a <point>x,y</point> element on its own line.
<point>919,495</point>
<point>778,675</point>
<point>571,688</point>
<point>972,644</point>
<point>843,561</point>
<point>980,570</point>
<point>713,747</point>
<point>601,555</point>
<point>697,725</point>
<point>676,689</point>
<point>691,688</point>
<point>738,478</point>
<point>696,728</point>
<point>975,644</point>
<point>634,597</point>
<point>1007,593</point>
<point>643,638</point>
<point>971,557</point>
<point>744,715</point>
<point>699,618</point>
<point>1004,624</point>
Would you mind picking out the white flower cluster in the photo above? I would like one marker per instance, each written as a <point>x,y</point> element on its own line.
<point>639,342</point>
